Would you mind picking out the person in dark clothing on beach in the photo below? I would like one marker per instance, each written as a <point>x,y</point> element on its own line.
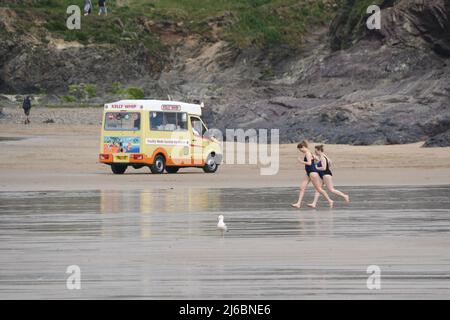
<point>26,105</point>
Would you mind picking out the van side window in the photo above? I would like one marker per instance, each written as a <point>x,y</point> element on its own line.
<point>168,121</point>
<point>156,120</point>
<point>182,120</point>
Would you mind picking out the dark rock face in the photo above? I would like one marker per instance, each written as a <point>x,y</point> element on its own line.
<point>388,87</point>
<point>29,64</point>
<point>439,130</point>
<point>414,23</point>
<point>347,28</point>
<point>419,24</point>
<point>440,140</point>
<point>369,94</point>
<point>50,69</point>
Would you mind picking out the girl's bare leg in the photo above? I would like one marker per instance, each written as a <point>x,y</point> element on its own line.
<point>317,183</point>
<point>329,182</point>
<point>303,186</point>
<point>316,198</point>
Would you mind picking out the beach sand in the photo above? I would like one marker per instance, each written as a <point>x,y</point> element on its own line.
<point>59,156</point>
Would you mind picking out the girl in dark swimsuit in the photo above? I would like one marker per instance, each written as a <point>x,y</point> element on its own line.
<point>323,168</point>
<point>311,176</point>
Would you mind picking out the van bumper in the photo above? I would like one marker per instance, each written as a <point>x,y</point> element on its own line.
<point>132,158</point>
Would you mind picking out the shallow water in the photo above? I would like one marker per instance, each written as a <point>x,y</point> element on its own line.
<point>164,244</point>
<point>8,139</point>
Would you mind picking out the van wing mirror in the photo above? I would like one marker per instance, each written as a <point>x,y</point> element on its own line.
<point>210,133</point>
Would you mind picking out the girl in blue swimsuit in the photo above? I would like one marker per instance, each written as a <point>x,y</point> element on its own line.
<point>311,175</point>
<point>323,168</point>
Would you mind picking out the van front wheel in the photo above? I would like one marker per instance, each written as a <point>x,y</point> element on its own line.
<point>158,165</point>
<point>118,168</point>
<point>211,165</point>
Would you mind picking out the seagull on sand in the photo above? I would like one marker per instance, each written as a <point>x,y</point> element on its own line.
<point>221,225</point>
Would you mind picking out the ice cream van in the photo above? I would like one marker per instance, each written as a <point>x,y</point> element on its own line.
<point>161,135</point>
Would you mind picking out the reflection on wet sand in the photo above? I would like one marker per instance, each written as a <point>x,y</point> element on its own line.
<point>145,202</point>
<point>164,244</point>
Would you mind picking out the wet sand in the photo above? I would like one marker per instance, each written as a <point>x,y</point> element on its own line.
<point>163,244</point>
<point>64,157</point>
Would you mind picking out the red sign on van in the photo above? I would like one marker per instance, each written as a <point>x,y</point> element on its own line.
<point>168,107</point>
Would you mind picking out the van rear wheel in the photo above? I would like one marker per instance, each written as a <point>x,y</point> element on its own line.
<point>172,169</point>
<point>118,168</point>
<point>158,165</point>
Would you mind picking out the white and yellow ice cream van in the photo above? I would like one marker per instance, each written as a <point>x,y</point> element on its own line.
<point>162,135</point>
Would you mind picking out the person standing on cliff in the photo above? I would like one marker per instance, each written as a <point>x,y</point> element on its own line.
<point>102,6</point>
<point>87,7</point>
<point>26,105</point>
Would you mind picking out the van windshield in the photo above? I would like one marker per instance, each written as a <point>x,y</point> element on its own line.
<point>123,121</point>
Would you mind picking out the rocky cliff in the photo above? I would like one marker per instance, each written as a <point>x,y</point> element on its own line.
<point>343,83</point>
<point>359,86</point>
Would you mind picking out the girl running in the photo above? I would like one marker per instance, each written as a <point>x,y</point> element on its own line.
<point>311,175</point>
<point>323,168</point>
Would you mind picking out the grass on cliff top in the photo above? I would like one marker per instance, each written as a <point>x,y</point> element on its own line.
<point>121,26</point>
<point>259,23</point>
